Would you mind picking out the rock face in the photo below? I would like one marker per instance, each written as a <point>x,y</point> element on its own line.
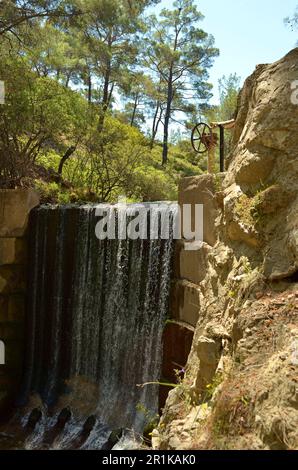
<point>240,387</point>
<point>264,167</point>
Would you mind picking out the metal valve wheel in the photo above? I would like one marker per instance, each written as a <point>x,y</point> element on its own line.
<point>202,138</point>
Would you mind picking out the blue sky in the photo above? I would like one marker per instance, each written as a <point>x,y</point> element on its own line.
<point>247,32</point>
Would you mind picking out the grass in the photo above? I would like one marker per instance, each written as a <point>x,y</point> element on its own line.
<point>232,415</point>
<point>244,209</point>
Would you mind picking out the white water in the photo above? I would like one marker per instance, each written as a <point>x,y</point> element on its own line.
<point>95,321</point>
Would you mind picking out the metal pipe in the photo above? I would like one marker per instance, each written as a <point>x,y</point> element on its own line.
<point>222,149</point>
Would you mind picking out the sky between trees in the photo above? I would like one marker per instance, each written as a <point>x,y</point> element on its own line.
<point>247,32</point>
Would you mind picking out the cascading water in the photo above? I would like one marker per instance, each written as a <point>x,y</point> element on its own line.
<point>96,313</point>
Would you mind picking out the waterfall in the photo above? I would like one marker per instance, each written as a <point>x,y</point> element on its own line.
<point>95,318</point>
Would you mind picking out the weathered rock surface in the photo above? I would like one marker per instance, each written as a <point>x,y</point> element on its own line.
<point>264,166</point>
<point>240,387</point>
<point>15,206</point>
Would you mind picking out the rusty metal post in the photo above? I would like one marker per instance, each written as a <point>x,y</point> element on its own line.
<point>211,160</point>
<point>222,149</point>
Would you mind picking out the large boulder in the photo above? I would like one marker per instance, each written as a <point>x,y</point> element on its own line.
<point>262,180</point>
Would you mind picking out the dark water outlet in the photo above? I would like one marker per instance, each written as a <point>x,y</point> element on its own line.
<point>34,417</point>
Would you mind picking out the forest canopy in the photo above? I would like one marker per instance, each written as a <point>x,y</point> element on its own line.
<point>96,95</point>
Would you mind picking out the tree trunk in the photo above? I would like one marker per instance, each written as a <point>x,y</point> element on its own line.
<point>65,157</point>
<point>67,80</point>
<point>106,97</point>
<point>154,126</point>
<point>135,105</point>
<point>110,94</point>
<point>167,119</point>
<point>169,102</point>
<point>89,88</point>
<point>156,122</point>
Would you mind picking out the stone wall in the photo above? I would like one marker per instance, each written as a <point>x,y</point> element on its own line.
<point>15,206</point>
<point>191,265</point>
<point>189,271</point>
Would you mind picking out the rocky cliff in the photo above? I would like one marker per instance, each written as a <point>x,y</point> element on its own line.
<point>240,390</point>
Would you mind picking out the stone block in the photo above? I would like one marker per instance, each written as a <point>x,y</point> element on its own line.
<point>185,302</point>
<point>191,265</point>
<point>12,308</point>
<point>12,251</point>
<point>12,279</point>
<point>16,308</point>
<point>15,205</point>
<point>11,331</point>
<point>201,190</point>
<point>4,302</point>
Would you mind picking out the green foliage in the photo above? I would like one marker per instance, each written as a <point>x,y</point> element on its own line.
<point>151,419</point>
<point>247,266</point>
<point>62,63</point>
<point>233,414</point>
<point>36,110</point>
<point>118,162</point>
<point>212,387</point>
<point>245,209</point>
<point>229,88</point>
<point>180,53</point>
<point>50,192</point>
<point>17,15</point>
<point>48,159</point>
<point>292,22</point>
<point>218,183</point>
<point>106,162</point>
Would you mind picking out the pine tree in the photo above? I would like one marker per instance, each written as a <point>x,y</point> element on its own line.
<point>180,52</point>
